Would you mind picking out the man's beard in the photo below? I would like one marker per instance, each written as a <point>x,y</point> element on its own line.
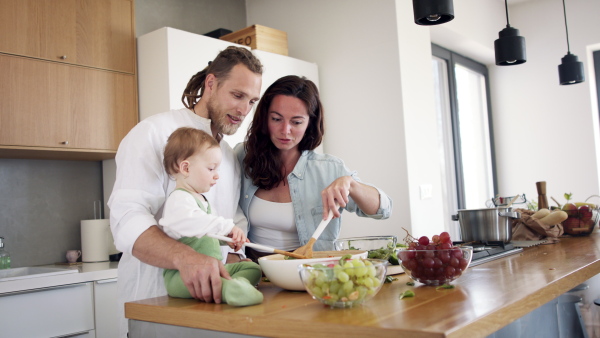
<point>220,120</point>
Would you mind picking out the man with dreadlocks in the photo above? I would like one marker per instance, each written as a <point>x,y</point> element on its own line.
<point>216,100</point>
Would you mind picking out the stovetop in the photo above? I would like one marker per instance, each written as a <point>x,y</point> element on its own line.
<point>488,251</point>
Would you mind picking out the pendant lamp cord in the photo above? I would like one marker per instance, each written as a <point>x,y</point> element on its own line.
<point>506,7</point>
<point>566,28</point>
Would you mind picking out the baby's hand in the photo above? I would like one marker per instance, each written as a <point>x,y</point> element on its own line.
<point>239,238</point>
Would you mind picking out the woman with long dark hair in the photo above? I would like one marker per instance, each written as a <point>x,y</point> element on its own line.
<point>288,188</point>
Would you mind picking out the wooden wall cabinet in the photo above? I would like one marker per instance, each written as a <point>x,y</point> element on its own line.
<point>68,84</point>
<point>95,33</point>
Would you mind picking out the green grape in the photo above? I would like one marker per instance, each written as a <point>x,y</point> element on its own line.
<point>317,291</point>
<point>362,291</point>
<point>343,277</point>
<point>358,263</point>
<point>334,287</point>
<point>368,282</point>
<point>371,271</point>
<point>348,286</point>
<point>361,271</point>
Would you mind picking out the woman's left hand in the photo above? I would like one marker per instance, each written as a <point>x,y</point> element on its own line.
<point>338,191</point>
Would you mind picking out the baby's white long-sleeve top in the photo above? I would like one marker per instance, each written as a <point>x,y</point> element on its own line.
<point>182,217</point>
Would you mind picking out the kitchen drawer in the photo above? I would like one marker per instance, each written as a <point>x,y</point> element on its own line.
<point>105,308</point>
<point>61,311</point>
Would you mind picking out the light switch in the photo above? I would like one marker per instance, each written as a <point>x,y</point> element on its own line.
<point>426,191</point>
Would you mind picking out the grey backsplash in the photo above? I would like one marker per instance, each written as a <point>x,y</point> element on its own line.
<point>41,205</point>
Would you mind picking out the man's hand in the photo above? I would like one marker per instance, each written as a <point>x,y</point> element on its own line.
<point>201,275</point>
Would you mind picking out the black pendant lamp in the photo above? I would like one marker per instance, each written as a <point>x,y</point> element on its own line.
<point>510,47</point>
<point>570,71</point>
<point>433,12</point>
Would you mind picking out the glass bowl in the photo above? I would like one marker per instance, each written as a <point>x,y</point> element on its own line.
<point>435,266</point>
<point>379,247</point>
<point>343,286</point>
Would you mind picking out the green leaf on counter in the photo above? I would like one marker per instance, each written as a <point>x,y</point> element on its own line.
<point>389,279</point>
<point>445,286</point>
<point>406,294</point>
<point>410,283</point>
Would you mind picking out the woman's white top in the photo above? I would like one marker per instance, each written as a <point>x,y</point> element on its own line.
<point>273,224</point>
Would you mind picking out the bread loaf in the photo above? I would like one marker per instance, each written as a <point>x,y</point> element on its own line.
<point>555,217</point>
<point>541,213</point>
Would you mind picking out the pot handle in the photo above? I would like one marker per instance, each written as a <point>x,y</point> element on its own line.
<point>513,214</point>
<point>455,217</point>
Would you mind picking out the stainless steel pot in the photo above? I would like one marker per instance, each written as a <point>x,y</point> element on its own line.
<point>488,225</point>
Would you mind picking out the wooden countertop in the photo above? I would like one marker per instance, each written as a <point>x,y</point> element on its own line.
<point>486,298</point>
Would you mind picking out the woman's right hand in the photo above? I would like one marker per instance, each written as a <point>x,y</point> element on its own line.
<point>337,192</point>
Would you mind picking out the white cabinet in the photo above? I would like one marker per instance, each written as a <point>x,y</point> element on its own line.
<point>59,311</point>
<point>167,59</point>
<point>105,308</point>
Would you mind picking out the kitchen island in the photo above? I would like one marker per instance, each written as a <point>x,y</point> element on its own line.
<point>485,299</point>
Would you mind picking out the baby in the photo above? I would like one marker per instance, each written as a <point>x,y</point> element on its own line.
<point>192,157</point>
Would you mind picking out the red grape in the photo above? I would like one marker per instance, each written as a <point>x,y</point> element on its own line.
<point>445,237</point>
<point>424,240</point>
<point>428,262</point>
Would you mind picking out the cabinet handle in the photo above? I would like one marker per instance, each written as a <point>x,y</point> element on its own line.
<point>65,142</point>
<point>63,57</point>
<point>66,286</point>
<point>104,281</point>
<point>74,334</point>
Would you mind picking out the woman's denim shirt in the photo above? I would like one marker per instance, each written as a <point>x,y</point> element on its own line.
<point>313,173</point>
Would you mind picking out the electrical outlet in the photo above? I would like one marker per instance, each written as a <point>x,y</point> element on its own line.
<point>426,191</point>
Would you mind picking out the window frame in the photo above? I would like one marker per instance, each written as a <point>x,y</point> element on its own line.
<point>452,59</point>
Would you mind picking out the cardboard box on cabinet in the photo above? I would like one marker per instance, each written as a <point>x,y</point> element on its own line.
<point>261,38</point>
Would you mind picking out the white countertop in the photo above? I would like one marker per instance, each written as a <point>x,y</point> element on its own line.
<point>87,272</point>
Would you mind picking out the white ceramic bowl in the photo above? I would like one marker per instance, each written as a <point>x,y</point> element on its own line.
<point>284,272</point>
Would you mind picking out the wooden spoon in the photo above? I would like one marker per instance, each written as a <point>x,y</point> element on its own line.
<point>260,247</point>
<point>306,249</point>
<point>512,201</point>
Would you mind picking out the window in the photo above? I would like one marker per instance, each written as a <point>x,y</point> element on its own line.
<point>465,129</point>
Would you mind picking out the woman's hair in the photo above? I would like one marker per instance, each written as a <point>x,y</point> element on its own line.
<point>183,143</point>
<point>220,67</point>
<point>262,162</point>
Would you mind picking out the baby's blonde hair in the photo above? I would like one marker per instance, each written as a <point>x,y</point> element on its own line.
<point>183,143</point>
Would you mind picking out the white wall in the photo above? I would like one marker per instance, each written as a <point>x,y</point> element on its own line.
<point>545,131</point>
